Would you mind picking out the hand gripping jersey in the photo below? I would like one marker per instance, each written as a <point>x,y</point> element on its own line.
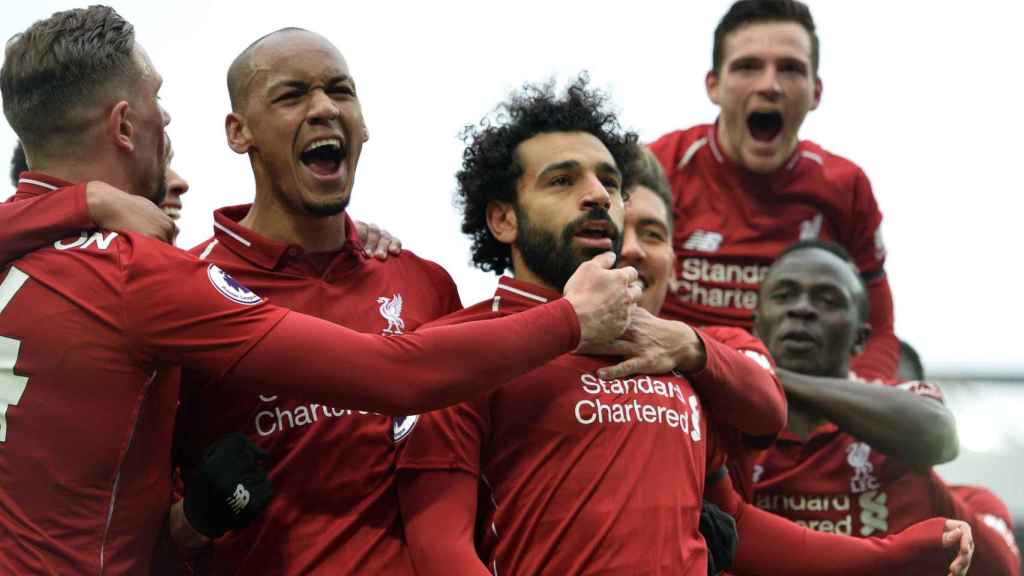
<point>334,509</point>
<point>582,476</point>
<point>89,331</point>
<point>730,224</point>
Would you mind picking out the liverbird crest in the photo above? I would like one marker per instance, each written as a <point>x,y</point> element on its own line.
<point>391,310</point>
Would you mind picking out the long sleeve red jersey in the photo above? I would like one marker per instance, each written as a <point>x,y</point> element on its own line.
<point>334,509</point>
<point>730,224</point>
<point>579,475</point>
<point>833,482</point>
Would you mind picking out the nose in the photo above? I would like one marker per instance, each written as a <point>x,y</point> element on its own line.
<point>166,115</point>
<point>322,109</point>
<point>802,308</point>
<point>633,252</point>
<point>595,195</point>
<point>768,84</point>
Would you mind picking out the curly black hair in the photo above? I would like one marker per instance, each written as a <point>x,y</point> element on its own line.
<point>491,167</point>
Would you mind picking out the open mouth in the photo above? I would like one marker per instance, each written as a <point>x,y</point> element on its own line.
<point>323,157</point>
<point>598,233</point>
<point>764,126</point>
<point>798,339</point>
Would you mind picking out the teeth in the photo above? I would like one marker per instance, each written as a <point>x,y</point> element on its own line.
<point>333,142</point>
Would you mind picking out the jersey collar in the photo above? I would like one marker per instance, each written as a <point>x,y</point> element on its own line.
<point>36,183</point>
<point>513,295</point>
<point>261,250</point>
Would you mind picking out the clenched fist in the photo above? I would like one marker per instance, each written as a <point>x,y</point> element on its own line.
<point>603,299</point>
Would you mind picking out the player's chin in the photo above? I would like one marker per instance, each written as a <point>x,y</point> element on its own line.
<point>326,207</point>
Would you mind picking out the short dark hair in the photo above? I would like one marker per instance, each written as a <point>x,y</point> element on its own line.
<point>649,174</point>
<point>746,12</point>
<point>60,66</point>
<point>491,168</point>
<point>19,164</point>
<point>863,305</point>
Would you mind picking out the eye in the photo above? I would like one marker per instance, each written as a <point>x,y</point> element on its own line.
<point>289,96</point>
<point>652,235</point>
<point>780,295</point>
<point>343,90</point>
<point>561,180</point>
<point>793,68</point>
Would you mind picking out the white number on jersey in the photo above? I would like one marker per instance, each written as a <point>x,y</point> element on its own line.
<point>12,386</point>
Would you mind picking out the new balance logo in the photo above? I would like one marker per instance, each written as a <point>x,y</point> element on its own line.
<point>239,499</point>
<point>703,241</point>
<point>810,229</point>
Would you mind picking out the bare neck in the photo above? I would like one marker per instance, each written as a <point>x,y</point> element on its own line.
<point>84,170</point>
<point>274,220</point>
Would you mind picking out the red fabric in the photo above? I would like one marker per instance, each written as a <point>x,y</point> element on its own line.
<point>564,492</point>
<point>770,544</point>
<point>356,527</point>
<point>84,467</point>
<point>995,549</point>
<point>730,224</point>
<point>37,219</point>
<point>833,482</point>
<point>738,383</point>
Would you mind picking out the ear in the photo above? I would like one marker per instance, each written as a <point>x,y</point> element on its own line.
<point>119,126</point>
<point>711,85</point>
<point>502,222</point>
<point>237,132</point>
<point>863,333</point>
<point>817,92</point>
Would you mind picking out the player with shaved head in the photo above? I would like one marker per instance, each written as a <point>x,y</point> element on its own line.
<point>96,326</point>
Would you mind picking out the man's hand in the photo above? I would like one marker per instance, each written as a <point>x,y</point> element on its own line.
<point>377,242</point>
<point>652,345</point>
<point>957,535</point>
<point>230,489</point>
<point>113,209</point>
<point>603,299</point>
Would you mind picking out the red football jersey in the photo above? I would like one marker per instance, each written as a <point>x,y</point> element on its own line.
<point>583,476</point>
<point>833,482</point>
<point>334,509</point>
<point>90,329</point>
<point>730,224</point>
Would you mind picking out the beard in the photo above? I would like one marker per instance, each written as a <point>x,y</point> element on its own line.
<point>159,191</point>
<point>552,256</point>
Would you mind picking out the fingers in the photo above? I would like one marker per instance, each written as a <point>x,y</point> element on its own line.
<point>605,260</point>
<point>370,238</point>
<point>625,368</point>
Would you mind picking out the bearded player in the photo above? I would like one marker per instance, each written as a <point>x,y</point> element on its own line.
<point>93,327</point>
<point>566,472</point>
<point>840,466</point>
<point>746,186</point>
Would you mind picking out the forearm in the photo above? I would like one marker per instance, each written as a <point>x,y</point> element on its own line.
<point>881,355</point>
<point>770,544</point>
<point>33,223</point>
<point>187,540</point>
<point>408,374</point>
<point>439,515</point>
<point>739,391</point>
<point>918,430</point>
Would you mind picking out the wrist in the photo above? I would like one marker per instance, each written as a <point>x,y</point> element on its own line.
<point>182,531</point>
<point>690,354</point>
<point>97,201</point>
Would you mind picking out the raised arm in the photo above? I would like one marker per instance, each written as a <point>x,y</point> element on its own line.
<point>27,224</point>
<point>881,355</point>
<point>729,368</point>
<point>908,422</point>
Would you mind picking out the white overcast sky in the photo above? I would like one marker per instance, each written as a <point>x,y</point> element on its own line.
<point>925,97</point>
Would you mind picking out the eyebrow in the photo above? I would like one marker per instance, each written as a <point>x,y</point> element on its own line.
<point>602,167</point>
<point>652,222</point>
<point>302,84</point>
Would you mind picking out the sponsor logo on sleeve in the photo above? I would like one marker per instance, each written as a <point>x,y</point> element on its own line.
<point>231,288</point>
